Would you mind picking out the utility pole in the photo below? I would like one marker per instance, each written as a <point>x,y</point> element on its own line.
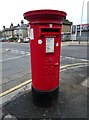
<point>81,22</point>
<point>87,22</point>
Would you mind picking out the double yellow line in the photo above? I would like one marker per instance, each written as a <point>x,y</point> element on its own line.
<point>15,88</point>
<point>29,81</point>
<point>71,65</point>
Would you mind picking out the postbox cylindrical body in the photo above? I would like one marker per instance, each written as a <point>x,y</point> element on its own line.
<point>45,42</point>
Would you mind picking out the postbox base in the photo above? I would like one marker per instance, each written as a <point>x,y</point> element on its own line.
<point>45,99</point>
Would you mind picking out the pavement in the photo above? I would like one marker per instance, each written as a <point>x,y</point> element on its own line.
<point>74,43</point>
<point>72,101</point>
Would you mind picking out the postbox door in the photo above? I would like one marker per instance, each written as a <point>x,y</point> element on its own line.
<point>51,62</point>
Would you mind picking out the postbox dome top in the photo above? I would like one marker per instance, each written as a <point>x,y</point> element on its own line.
<point>44,15</point>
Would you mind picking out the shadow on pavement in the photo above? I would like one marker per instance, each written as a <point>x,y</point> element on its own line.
<point>71,103</point>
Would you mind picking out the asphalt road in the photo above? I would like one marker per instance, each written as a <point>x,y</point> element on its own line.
<point>16,64</point>
<point>79,52</point>
<point>72,98</point>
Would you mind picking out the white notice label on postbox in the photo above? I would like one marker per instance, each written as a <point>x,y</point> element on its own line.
<point>49,45</point>
<point>31,34</point>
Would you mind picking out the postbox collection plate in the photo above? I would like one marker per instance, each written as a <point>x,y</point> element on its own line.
<point>50,45</point>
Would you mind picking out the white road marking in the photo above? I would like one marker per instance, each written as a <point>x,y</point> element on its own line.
<point>7,49</point>
<point>22,52</point>
<point>14,58</point>
<point>72,58</point>
<point>16,51</point>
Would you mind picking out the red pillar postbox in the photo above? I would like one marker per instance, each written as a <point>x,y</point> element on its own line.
<point>45,42</point>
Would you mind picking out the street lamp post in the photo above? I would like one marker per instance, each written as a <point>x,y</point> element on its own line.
<point>81,22</point>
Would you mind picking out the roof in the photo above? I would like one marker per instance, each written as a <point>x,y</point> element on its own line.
<point>23,26</point>
<point>66,22</point>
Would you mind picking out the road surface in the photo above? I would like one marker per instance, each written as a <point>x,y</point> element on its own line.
<point>16,64</point>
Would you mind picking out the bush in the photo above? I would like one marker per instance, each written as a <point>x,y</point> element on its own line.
<point>12,39</point>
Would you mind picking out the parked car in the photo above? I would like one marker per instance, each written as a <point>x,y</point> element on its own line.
<point>2,40</point>
<point>26,40</point>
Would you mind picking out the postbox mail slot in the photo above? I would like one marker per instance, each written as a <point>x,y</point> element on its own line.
<point>49,30</point>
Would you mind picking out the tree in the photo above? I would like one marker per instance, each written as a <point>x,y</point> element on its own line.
<point>18,25</point>
<point>22,22</point>
<point>4,27</point>
<point>11,26</point>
